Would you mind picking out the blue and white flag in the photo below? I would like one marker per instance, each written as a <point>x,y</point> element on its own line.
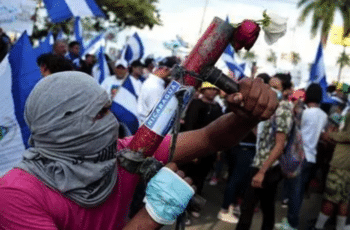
<point>101,70</point>
<point>78,33</point>
<point>45,46</point>
<point>133,49</point>
<point>93,45</point>
<point>124,105</point>
<point>318,74</point>
<point>228,57</point>
<point>19,74</point>
<point>61,10</point>
<point>60,35</point>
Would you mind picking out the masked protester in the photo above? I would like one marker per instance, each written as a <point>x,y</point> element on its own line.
<point>70,179</point>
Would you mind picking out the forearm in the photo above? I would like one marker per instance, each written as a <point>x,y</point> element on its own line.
<point>340,137</point>
<point>223,133</point>
<point>142,221</point>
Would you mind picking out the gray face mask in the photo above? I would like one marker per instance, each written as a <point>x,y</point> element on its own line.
<point>73,151</point>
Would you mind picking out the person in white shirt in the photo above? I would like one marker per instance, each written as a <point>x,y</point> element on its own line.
<point>149,66</point>
<point>112,83</point>
<point>136,71</point>
<point>153,87</point>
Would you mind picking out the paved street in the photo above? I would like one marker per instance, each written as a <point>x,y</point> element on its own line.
<point>214,196</point>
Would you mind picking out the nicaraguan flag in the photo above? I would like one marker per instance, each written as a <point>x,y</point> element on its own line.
<point>318,74</point>
<point>93,45</point>
<point>133,49</point>
<point>61,10</point>
<point>124,105</point>
<point>101,69</point>
<point>19,73</point>
<point>60,35</point>
<point>45,46</point>
<point>78,33</point>
<point>228,57</point>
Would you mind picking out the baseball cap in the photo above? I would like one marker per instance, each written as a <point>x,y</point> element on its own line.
<point>121,62</point>
<point>207,85</point>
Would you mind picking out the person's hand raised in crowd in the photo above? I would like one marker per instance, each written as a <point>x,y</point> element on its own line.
<point>255,100</point>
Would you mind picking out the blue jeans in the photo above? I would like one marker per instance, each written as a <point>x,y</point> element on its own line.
<point>239,159</point>
<point>297,191</point>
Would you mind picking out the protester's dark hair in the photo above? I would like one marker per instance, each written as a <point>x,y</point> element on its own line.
<point>88,55</point>
<point>331,88</point>
<point>286,80</point>
<point>169,61</point>
<point>149,61</point>
<point>135,63</point>
<point>313,94</point>
<point>265,77</point>
<point>73,43</point>
<point>54,63</point>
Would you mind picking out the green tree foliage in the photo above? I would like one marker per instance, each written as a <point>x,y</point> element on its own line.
<point>272,58</point>
<point>323,15</point>
<point>295,58</point>
<point>343,60</point>
<point>120,15</point>
<point>124,13</point>
<point>250,56</point>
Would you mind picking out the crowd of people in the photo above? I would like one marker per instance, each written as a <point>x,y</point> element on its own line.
<point>248,131</point>
<point>324,146</point>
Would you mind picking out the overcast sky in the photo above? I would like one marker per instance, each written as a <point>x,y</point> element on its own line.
<point>184,18</point>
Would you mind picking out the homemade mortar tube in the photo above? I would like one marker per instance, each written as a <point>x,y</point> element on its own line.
<point>206,52</point>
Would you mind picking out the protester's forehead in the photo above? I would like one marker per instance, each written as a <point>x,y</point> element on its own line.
<point>68,82</point>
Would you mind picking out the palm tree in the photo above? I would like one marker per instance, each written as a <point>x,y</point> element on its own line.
<point>343,60</point>
<point>250,56</point>
<point>323,15</point>
<point>272,58</point>
<point>295,58</point>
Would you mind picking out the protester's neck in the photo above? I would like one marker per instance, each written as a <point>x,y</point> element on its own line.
<point>313,105</point>
<point>119,77</point>
<point>207,100</point>
<point>135,76</point>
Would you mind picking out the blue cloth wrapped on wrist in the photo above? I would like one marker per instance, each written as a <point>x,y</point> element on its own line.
<point>167,196</point>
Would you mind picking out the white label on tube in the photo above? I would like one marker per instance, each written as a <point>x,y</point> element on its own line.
<point>162,116</point>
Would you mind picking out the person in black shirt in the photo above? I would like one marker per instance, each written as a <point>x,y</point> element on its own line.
<point>200,113</point>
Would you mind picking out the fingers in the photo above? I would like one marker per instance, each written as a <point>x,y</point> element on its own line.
<point>256,184</point>
<point>255,100</point>
<point>254,94</point>
<point>181,174</point>
<point>172,166</point>
<point>271,106</point>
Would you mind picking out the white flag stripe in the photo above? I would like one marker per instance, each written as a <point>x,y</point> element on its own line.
<point>11,144</point>
<point>320,70</point>
<point>80,7</point>
<point>126,99</point>
<point>135,45</point>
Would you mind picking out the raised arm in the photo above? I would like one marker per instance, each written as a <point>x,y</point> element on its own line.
<point>255,102</point>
